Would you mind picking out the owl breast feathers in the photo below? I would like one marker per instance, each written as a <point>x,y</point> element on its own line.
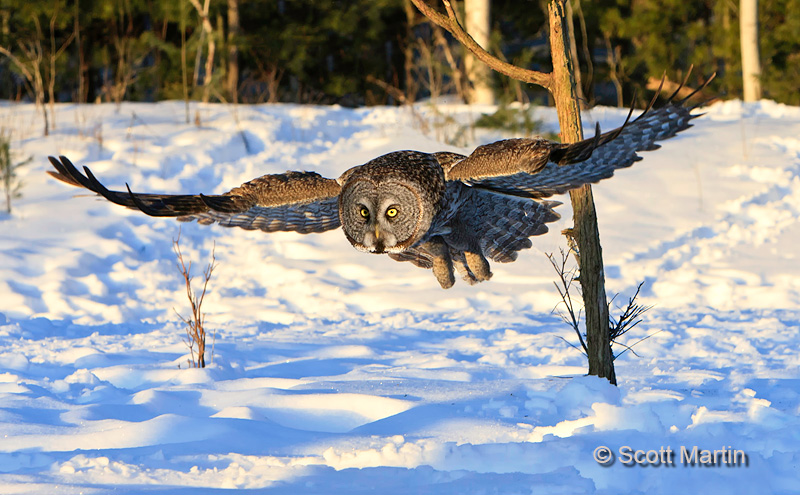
<point>440,211</point>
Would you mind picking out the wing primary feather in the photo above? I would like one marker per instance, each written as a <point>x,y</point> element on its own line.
<point>226,203</point>
<point>68,173</point>
<point>682,84</point>
<point>73,172</point>
<point>654,99</point>
<point>597,135</point>
<point>613,134</point>
<point>630,113</point>
<point>61,173</point>
<point>649,106</point>
<point>587,152</point>
<point>102,190</point>
<point>206,201</point>
<point>140,204</point>
<point>699,89</point>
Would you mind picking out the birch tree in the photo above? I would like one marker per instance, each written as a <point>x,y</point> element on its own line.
<point>751,66</point>
<point>208,31</point>
<point>477,20</point>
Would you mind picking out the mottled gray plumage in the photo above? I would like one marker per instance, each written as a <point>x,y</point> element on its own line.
<point>440,211</point>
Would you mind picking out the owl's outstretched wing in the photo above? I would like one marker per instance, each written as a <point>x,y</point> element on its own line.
<point>538,168</point>
<point>302,202</point>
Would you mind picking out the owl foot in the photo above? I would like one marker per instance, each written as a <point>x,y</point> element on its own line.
<point>473,267</point>
<point>442,262</point>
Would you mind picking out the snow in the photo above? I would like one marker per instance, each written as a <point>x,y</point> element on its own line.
<point>334,371</point>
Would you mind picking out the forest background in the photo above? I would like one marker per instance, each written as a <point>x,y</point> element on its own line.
<point>369,52</point>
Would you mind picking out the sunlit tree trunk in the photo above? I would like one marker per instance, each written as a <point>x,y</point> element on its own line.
<point>208,31</point>
<point>751,66</point>
<point>585,230</point>
<point>561,84</point>
<point>233,50</point>
<point>479,27</point>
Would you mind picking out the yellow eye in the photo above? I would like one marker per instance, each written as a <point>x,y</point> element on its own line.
<point>391,212</point>
<point>364,212</point>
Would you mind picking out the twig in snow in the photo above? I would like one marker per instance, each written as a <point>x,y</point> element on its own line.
<point>195,330</point>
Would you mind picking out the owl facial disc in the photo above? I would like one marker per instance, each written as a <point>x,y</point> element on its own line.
<point>382,217</point>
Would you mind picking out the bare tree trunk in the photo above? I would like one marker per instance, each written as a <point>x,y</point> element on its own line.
<point>573,52</point>
<point>35,54</point>
<point>612,57</point>
<point>32,73</point>
<point>51,83</point>
<point>751,66</point>
<point>561,84</point>
<point>184,68</point>
<point>80,97</point>
<point>478,25</point>
<point>208,30</point>
<point>233,50</point>
<point>585,231</point>
<point>410,82</point>
<point>32,70</point>
<point>5,29</point>
<point>587,54</point>
<point>434,79</point>
<point>54,55</point>
<point>458,75</point>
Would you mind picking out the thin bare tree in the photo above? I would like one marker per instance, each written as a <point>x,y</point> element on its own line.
<point>587,54</point>
<point>29,63</point>
<point>53,56</point>
<point>208,32</point>
<point>83,89</point>
<point>9,182</point>
<point>411,83</point>
<point>233,50</point>
<point>573,49</point>
<point>456,72</point>
<point>613,57</point>
<point>561,84</point>
<point>184,68</point>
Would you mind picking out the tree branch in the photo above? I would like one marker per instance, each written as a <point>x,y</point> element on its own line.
<point>451,24</point>
<point>20,65</point>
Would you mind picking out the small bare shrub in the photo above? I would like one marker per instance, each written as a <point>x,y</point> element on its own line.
<point>629,318</point>
<point>195,330</point>
<point>8,178</point>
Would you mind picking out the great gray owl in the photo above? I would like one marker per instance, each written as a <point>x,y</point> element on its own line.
<point>440,211</point>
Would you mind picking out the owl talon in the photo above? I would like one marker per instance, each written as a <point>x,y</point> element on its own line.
<point>444,277</point>
<point>479,266</point>
<point>442,262</point>
<point>443,269</point>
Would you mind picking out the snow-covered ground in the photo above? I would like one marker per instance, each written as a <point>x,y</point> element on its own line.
<point>335,371</point>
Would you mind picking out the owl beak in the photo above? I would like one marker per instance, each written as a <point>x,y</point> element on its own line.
<point>378,249</point>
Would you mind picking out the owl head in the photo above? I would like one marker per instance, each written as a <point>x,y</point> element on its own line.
<point>387,204</point>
